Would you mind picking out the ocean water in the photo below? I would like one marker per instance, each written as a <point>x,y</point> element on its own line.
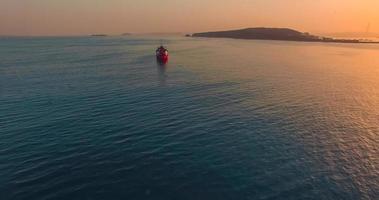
<point>98,118</point>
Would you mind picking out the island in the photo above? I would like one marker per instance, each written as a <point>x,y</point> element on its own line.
<point>126,34</point>
<point>99,35</point>
<point>284,34</point>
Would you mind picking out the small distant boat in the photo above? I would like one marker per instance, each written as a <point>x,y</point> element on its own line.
<point>162,54</point>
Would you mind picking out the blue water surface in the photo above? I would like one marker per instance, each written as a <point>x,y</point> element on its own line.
<point>98,118</point>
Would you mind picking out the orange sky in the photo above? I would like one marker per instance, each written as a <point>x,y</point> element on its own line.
<point>82,17</point>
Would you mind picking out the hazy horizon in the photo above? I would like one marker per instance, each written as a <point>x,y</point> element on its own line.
<point>84,17</point>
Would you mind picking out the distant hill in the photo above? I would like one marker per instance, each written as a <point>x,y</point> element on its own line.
<point>99,35</point>
<point>261,33</point>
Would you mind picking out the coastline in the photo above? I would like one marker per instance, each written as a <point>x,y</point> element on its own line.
<point>277,34</point>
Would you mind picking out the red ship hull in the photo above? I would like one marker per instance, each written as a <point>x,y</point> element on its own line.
<point>162,54</point>
<point>162,58</point>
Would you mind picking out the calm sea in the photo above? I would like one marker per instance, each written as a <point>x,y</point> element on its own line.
<point>97,118</point>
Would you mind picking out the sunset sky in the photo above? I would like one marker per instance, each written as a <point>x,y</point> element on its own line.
<point>78,17</point>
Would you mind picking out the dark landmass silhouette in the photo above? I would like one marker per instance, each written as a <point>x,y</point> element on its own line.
<point>99,35</point>
<point>284,34</point>
<point>126,34</point>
